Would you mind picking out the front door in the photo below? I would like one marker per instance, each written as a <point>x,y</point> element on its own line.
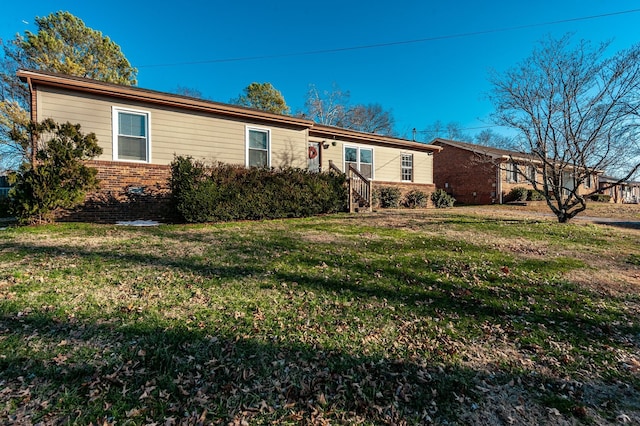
<point>313,157</point>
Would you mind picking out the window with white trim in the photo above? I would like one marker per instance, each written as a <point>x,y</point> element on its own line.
<point>258,147</point>
<point>360,158</point>
<point>406,167</point>
<point>512,172</point>
<point>531,172</point>
<point>131,141</point>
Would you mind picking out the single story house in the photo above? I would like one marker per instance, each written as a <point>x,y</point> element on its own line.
<point>140,132</point>
<point>476,174</point>
<point>623,192</point>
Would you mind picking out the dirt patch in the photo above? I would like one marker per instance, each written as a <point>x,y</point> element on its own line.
<point>612,281</point>
<point>613,212</point>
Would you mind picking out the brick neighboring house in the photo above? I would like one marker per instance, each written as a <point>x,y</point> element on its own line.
<point>476,174</point>
<point>141,130</point>
<point>624,192</point>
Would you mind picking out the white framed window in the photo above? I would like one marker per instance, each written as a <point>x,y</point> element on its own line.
<point>588,181</point>
<point>131,136</point>
<point>258,147</point>
<point>531,172</point>
<point>406,167</point>
<point>512,172</point>
<point>360,158</point>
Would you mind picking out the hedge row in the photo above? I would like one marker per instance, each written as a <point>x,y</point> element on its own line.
<point>390,197</point>
<point>523,194</point>
<point>601,198</point>
<point>520,193</point>
<point>226,192</point>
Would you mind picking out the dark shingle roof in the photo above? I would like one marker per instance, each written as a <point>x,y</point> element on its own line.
<point>479,149</point>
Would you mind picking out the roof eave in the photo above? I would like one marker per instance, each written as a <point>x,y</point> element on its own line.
<point>165,99</point>
<point>131,93</point>
<point>324,131</point>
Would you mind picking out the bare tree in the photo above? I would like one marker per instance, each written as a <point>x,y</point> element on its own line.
<point>326,107</point>
<point>576,115</point>
<point>488,137</point>
<point>369,119</point>
<point>451,130</point>
<point>332,108</point>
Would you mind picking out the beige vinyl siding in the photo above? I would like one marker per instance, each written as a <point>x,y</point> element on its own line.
<point>386,161</point>
<point>333,153</point>
<point>288,148</point>
<point>388,165</point>
<point>172,131</point>
<point>90,114</point>
<point>422,167</point>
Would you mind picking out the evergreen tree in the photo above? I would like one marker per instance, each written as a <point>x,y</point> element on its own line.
<point>263,96</point>
<point>61,179</point>
<point>62,44</point>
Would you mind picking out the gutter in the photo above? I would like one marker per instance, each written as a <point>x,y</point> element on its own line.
<point>34,119</point>
<point>137,94</point>
<point>498,184</point>
<point>158,98</point>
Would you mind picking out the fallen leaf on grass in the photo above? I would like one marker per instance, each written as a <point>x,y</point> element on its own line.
<point>554,411</point>
<point>258,315</point>
<point>322,400</point>
<point>623,418</point>
<point>60,359</point>
<point>134,412</point>
<point>147,392</point>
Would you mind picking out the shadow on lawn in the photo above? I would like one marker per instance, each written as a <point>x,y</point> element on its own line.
<point>619,224</point>
<point>70,371</point>
<point>88,372</point>
<point>127,368</point>
<point>560,308</point>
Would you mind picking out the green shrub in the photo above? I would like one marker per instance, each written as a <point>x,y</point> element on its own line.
<point>600,198</point>
<point>441,199</point>
<point>534,195</point>
<point>60,179</point>
<point>415,198</point>
<point>187,175</point>
<point>224,192</point>
<point>518,194</point>
<point>388,197</point>
<point>4,207</point>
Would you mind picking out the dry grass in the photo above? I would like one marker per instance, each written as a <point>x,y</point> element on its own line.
<point>469,315</point>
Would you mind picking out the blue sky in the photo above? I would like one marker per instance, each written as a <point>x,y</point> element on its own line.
<point>444,78</point>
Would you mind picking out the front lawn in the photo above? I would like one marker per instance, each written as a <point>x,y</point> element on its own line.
<point>396,317</point>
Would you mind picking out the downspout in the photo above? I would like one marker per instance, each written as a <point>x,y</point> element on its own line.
<point>499,184</point>
<point>34,119</point>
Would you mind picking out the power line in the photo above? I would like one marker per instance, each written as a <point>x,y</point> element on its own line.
<point>393,43</point>
<point>463,128</point>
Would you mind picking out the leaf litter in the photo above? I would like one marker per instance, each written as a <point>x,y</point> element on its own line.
<point>332,327</point>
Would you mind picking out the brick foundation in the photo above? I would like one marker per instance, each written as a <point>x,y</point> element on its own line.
<point>127,191</point>
<point>134,191</point>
